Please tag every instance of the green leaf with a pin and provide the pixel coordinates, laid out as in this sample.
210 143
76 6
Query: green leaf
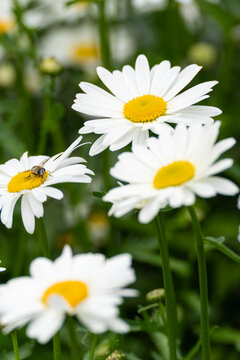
98 194
141 325
218 244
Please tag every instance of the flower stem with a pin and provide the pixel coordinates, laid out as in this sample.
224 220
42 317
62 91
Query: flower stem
56 347
202 270
72 339
103 33
15 345
93 347
169 290
106 62
43 238
46 252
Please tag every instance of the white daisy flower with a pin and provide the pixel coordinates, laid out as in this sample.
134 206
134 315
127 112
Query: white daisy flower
172 170
87 286
7 20
32 178
142 100
48 12
72 46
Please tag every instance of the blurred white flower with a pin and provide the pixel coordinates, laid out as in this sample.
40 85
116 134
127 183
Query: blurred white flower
76 46
142 100
123 45
149 5
7 20
32 178
48 12
172 170
87 286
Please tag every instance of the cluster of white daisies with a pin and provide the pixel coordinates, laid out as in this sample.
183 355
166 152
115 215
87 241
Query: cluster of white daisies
166 167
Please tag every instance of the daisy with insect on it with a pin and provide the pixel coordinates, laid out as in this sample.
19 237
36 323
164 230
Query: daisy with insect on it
31 179
142 99
171 170
87 286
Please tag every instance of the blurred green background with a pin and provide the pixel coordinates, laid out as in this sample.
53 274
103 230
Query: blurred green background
36 116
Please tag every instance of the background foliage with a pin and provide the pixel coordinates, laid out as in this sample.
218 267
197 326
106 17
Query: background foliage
36 116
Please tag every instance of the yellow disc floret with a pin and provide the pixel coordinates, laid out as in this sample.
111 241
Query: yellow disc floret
6 25
144 108
173 174
72 291
84 53
26 180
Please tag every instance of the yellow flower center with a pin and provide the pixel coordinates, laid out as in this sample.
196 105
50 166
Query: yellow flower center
26 180
84 53
173 174
6 25
144 108
72 291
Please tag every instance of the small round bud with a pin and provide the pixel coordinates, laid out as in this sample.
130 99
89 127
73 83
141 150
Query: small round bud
116 355
7 75
50 66
203 53
156 295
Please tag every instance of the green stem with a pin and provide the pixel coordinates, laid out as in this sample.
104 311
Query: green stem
43 238
72 339
46 121
169 290
15 345
46 252
202 270
56 347
93 347
106 62
103 33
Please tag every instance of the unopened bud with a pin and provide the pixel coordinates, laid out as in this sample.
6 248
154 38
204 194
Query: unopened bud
155 295
116 355
50 66
7 75
203 53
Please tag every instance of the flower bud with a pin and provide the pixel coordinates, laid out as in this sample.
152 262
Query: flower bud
116 355
155 295
203 53
7 75
50 66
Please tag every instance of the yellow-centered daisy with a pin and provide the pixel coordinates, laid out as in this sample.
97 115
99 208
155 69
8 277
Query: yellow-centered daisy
141 100
171 170
87 286
32 178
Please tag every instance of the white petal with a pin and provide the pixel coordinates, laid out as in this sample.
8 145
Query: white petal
98 146
36 206
142 73
45 326
185 76
53 192
223 186
27 215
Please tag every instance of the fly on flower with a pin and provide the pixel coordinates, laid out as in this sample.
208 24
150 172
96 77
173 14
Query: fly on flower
87 286
142 100
32 177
